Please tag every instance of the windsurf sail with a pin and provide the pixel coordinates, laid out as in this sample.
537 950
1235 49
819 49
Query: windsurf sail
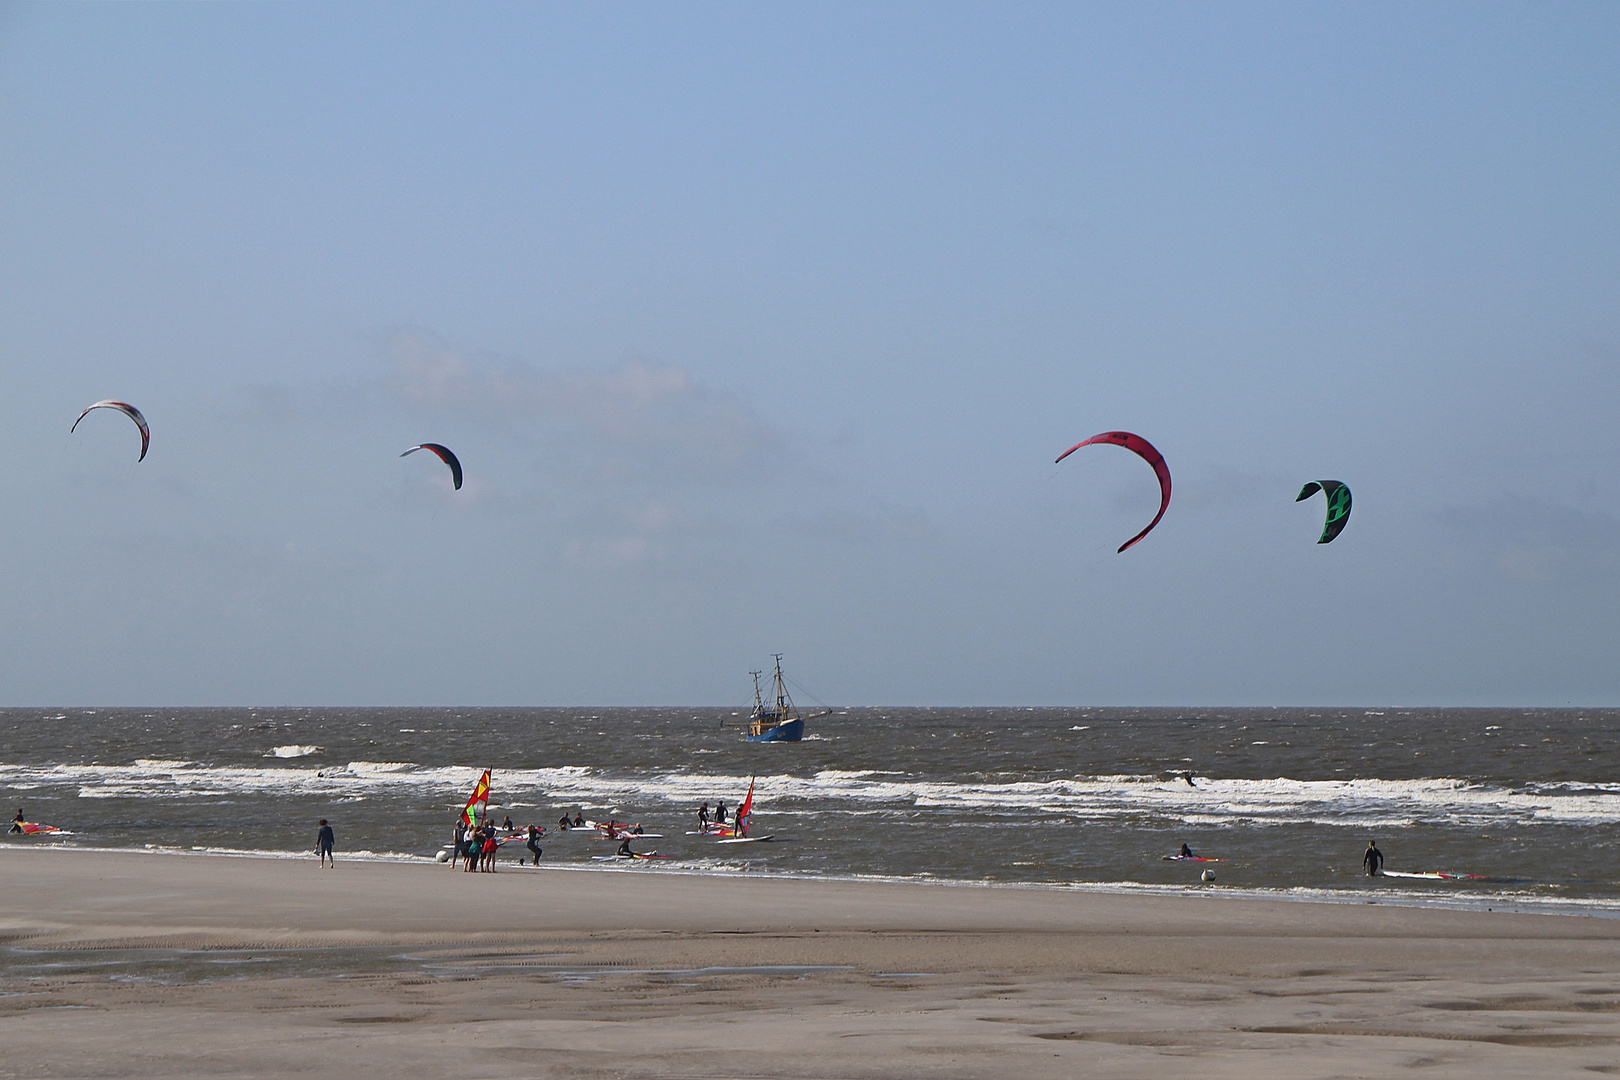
480 794
29 828
747 807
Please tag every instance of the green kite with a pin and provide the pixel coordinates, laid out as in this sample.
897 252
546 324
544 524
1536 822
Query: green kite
1338 505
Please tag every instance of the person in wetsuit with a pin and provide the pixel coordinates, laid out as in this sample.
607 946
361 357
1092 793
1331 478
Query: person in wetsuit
579 821
1373 859
533 844
703 816
323 844
624 850
17 822
720 812
1186 852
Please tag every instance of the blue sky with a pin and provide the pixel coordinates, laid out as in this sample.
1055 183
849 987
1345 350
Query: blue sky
757 330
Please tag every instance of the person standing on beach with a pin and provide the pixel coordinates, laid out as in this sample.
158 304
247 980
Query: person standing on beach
323 844
1373 859
534 844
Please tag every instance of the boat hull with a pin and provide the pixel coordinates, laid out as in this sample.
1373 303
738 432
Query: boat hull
791 731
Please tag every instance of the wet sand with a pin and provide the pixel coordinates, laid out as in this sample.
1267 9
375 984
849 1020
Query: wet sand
129 964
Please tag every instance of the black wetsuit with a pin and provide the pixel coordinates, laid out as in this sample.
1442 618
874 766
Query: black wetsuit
534 844
1373 860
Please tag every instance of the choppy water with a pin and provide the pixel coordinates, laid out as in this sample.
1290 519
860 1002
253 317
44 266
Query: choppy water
1286 797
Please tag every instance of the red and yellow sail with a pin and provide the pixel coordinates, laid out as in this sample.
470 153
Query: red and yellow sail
480 794
740 822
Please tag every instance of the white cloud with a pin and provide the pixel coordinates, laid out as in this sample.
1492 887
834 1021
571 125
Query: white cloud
640 418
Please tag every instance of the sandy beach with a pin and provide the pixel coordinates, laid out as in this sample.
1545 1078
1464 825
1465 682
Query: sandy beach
124 964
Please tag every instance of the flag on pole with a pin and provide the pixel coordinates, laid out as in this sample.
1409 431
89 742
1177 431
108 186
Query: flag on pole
480 795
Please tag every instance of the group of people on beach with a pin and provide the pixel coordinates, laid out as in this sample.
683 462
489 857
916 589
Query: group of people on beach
476 845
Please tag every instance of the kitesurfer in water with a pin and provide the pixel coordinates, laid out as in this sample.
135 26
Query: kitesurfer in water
17 822
563 823
1373 859
533 844
323 844
1186 852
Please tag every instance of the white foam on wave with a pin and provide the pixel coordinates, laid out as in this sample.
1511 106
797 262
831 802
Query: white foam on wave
1359 803
295 750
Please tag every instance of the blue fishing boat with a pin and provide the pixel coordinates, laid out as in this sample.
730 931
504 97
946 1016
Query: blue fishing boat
781 722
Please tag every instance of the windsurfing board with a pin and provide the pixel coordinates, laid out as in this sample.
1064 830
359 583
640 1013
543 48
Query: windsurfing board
1432 875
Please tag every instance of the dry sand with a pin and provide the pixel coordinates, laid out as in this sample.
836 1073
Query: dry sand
128 964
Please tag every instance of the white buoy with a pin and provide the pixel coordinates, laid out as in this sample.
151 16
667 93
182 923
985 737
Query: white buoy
1207 875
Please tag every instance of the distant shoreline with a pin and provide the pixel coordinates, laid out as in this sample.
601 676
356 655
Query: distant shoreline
1436 901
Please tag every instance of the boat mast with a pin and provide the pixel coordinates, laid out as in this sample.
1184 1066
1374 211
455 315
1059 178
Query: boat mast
758 704
781 691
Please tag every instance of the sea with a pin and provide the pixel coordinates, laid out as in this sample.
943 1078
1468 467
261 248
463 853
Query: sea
1287 799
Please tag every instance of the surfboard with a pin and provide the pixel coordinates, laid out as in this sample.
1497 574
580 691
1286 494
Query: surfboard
636 855
1433 875
1189 858
744 840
